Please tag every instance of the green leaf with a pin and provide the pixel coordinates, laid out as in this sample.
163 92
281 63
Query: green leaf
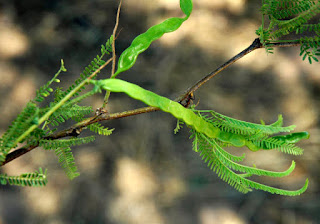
36 179
315 59
304 56
54 144
99 129
19 126
67 162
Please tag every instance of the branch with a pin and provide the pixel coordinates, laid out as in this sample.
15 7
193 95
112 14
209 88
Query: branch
255 45
114 57
76 129
103 115
114 40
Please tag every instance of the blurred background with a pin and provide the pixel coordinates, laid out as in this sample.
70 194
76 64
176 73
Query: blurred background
143 173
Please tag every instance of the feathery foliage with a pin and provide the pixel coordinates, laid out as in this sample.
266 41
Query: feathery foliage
226 165
294 17
67 162
242 127
36 179
65 113
95 64
27 118
226 170
63 151
45 90
26 128
99 129
54 144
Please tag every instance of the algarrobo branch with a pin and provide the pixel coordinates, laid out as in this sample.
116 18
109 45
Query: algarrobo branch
255 45
103 115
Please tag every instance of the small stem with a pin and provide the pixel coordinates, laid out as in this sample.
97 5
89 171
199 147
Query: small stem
106 98
262 19
286 41
114 40
255 45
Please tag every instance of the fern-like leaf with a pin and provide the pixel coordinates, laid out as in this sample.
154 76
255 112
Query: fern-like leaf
45 90
308 28
227 160
199 140
287 26
95 64
281 9
274 143
292 17
67 162
235 126
222 171
75 112
310 47
212 154
107 47
55 144
24 120
35 136
99 129
36 179
178 126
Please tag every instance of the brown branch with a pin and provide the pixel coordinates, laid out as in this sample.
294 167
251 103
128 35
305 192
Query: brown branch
114 40
99 69
107 95
255 45
76 129
284 44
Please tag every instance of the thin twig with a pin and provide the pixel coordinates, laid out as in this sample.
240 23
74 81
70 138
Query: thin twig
284 44
114 40
255 45
114 58
77 128
99 69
